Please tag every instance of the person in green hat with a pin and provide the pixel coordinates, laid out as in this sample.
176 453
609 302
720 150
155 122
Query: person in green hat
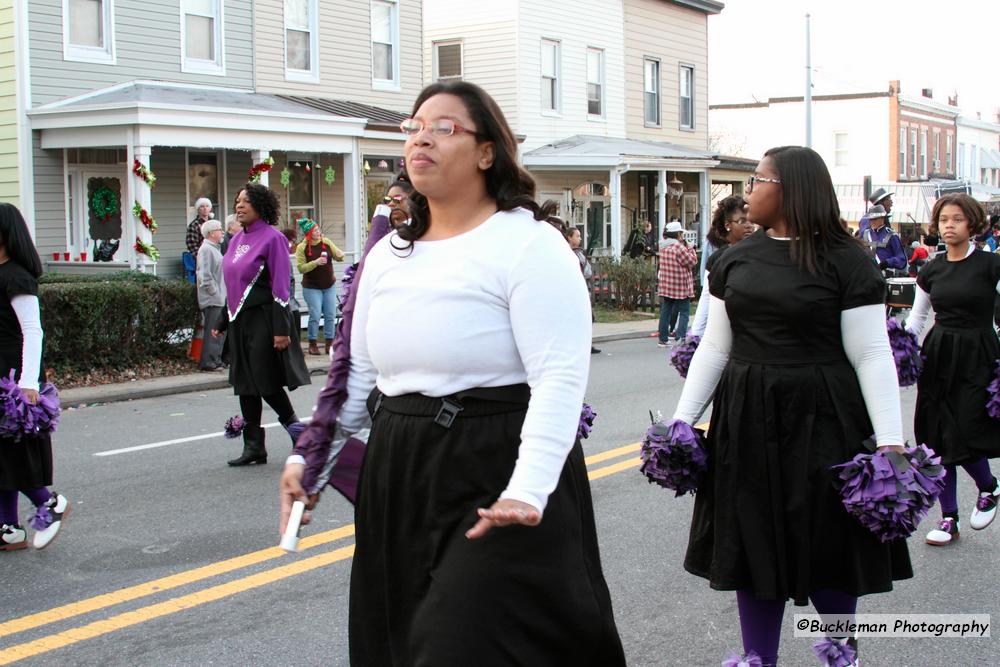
315 256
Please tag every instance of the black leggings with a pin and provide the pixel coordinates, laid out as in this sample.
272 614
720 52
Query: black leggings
252 407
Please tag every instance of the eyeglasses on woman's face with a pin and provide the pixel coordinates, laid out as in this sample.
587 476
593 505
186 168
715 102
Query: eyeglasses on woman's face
393 200
753 180
442 127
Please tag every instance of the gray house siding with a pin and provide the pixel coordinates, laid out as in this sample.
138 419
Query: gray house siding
169 209
50 201
147 44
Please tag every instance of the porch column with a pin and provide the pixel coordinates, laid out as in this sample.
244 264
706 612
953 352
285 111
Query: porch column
258 156
140 192
615 185
704 202
661 203
353 224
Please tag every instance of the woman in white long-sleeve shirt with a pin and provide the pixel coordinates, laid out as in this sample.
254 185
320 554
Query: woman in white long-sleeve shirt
475 531
25 465
797 347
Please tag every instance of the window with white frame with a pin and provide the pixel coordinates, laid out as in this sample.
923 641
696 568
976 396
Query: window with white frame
686 104
840 149
961 160
902 152
301 193
88 31
550 76
913 151
923 153
949 143
936 166
595 82
301 52
201 36
651 91
448 60
385 44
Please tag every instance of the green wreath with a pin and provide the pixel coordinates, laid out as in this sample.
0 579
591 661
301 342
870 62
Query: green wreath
103 203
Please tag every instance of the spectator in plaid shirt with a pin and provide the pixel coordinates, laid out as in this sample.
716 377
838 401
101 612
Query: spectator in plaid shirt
675 282
193 238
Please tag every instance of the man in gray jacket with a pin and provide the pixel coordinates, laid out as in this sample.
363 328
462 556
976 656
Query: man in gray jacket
211 294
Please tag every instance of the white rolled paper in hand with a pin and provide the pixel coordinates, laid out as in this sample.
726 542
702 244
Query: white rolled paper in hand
290 540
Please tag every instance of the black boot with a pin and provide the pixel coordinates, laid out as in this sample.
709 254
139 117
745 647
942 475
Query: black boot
253 447
294 428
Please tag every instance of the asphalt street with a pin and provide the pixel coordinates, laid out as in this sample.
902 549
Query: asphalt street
169 556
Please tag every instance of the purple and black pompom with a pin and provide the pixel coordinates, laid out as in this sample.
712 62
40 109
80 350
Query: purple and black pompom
234 427
905 352
993 404
587 415
673 457
20 418
751 659
683 352
888 492
835 653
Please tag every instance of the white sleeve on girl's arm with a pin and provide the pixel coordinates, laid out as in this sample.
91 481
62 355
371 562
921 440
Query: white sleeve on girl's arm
361 378
26 308
550 319
866 343
917 319
709 361
701 312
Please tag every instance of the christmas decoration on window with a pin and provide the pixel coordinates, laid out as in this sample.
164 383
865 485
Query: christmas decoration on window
330 175
147 249
286 177
104 204
143 172
148 221
260 168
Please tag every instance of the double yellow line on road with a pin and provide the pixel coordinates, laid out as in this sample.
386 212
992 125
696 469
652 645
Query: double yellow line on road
150 612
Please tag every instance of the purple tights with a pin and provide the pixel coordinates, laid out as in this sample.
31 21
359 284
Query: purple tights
978 470
760 620
8 503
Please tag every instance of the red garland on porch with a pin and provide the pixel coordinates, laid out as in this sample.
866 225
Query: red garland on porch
260 168
147 249
143 172
148 221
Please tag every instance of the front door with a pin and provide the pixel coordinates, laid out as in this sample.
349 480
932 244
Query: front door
96 211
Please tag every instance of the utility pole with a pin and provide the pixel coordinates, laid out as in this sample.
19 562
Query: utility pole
809 96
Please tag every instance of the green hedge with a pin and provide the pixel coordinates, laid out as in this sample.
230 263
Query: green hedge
114 321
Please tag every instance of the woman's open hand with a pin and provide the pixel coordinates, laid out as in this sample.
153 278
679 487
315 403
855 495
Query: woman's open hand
281 342
504 512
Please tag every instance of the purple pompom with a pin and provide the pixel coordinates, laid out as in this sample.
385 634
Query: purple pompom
835 652
234 427
587 415
905 352
346 281
41 519
889 493
993 404
19 417
683 352
751 659
672 456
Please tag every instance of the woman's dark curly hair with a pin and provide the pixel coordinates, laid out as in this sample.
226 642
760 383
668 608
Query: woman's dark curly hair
402 182
975 214
506 181
717 232
264 201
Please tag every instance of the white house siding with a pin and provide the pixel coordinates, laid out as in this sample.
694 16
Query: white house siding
489 46
345 53
974 135
9 182
750 130
577 26
675 35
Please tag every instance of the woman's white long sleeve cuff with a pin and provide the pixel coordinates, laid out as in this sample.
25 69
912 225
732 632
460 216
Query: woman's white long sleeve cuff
917 319
709 361
866 344
27 311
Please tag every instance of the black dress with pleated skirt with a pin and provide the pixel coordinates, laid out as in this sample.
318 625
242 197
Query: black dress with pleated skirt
424 595
961 351
25 464
256 367
788 406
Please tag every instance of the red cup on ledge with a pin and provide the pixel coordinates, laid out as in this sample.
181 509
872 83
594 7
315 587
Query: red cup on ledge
83 257
65 256
55 257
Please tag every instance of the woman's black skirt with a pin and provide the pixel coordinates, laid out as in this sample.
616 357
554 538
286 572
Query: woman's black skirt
26 464
423 594
255 367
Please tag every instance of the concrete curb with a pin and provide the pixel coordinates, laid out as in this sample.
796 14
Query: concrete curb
194 382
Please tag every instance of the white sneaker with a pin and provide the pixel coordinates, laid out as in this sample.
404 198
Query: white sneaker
945 533
986 508
12 538
48 520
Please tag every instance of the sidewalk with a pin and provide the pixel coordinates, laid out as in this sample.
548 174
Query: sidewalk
179 384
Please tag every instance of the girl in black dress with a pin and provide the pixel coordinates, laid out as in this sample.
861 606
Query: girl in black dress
961 351
795 350
265 355
729 225
25 465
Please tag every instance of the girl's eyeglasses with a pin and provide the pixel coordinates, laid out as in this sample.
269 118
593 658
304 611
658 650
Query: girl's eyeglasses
759 179
394 199
442 127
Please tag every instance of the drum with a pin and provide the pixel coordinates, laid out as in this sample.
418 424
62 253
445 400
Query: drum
900 292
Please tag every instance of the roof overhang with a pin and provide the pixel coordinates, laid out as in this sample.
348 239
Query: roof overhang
582 152
706 6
